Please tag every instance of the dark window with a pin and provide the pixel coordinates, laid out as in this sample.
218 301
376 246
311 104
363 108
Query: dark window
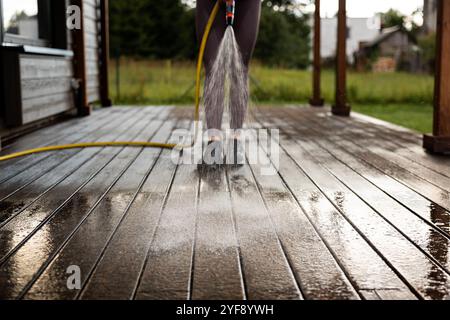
27 22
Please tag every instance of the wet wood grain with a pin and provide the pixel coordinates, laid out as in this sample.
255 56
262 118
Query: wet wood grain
351 214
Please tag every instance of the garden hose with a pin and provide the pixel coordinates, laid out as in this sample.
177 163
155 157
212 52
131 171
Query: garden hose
136 143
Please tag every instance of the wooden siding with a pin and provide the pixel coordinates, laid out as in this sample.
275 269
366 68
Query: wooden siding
92 31
45 86
42 87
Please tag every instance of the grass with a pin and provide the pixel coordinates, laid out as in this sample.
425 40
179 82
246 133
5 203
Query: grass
153 82
400 98
414 116
293 85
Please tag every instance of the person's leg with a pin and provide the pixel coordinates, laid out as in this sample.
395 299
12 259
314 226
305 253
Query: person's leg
246 28
213 105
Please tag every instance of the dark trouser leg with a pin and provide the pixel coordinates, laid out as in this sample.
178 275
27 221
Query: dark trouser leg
203 11
246 28
246 31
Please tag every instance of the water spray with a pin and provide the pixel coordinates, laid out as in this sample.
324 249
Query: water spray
227 88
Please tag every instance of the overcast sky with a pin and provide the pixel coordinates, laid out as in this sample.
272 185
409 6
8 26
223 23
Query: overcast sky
367 8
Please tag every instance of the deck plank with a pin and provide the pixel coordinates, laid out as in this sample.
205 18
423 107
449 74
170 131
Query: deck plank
411 152
266 276
217 265
402 135
15 203
139 227
168 268
17 166
100 225
438 179
384 141
31 193
412 226
74 133
51 133
380 144
357 211
367 270
398 172
427 210
104 167
304 247
21 176
404 256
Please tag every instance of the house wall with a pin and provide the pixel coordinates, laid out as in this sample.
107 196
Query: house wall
2 105
398 50
92 29
359 30
38 82
394 45
46 87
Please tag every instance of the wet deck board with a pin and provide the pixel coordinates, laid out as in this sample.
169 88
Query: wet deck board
357 210
217 259
77 133
365 206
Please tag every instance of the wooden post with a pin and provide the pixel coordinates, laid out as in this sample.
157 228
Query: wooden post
104 68
316 100
341 108
439 142
79 50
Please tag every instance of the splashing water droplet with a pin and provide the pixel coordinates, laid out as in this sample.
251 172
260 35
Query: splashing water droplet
227 85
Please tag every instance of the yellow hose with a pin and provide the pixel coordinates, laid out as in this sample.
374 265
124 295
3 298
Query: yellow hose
137 143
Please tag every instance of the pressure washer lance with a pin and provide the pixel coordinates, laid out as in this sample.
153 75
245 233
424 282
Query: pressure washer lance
230 12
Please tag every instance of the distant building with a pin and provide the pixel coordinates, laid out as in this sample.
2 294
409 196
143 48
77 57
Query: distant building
29 27
393 49
429 16
381 50
359 30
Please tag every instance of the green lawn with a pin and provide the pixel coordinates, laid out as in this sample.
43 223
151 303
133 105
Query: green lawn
400 98
414 116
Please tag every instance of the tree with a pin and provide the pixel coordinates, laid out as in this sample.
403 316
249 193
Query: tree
427 45
166 30
284 37
392 18
151 28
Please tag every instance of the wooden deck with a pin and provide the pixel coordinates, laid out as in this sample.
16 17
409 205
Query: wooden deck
357 211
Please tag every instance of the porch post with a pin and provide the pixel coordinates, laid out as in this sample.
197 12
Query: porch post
104 77
316 100
79 50
439 142
341 108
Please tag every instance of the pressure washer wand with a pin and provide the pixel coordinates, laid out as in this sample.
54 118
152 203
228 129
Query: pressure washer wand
230 4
